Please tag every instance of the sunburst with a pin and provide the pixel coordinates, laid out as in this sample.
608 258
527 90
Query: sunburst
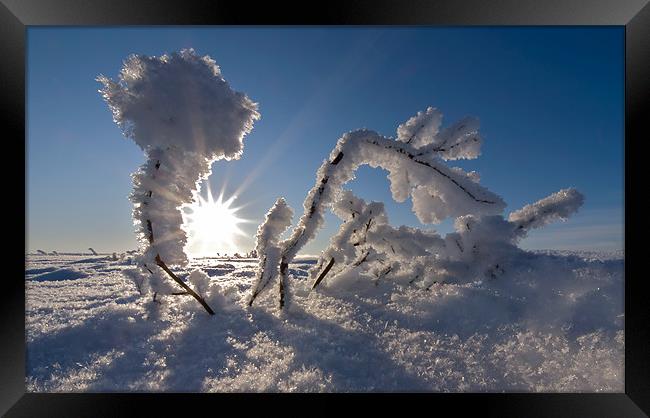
212 226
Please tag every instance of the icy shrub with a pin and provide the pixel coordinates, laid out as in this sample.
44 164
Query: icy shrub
182 113
366 245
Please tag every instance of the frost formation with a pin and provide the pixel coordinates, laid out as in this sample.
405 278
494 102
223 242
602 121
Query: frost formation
366 246
182 113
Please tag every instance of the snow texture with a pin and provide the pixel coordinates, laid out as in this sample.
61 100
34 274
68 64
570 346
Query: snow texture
553 322
184 115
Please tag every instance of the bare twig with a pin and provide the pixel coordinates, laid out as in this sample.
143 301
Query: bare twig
383 274
283 277
323 274
188 289
464 141
414 278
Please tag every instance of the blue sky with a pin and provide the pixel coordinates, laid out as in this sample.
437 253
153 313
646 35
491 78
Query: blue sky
550 102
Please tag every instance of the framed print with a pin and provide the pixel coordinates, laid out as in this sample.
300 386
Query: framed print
379 201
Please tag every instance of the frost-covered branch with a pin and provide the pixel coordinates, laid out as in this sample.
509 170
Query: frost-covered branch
276 221
181 112
360 242
457 141
416 169
557 206
481 246
366 245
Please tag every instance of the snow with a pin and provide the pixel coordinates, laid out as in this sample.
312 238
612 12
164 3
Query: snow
59 274
552 322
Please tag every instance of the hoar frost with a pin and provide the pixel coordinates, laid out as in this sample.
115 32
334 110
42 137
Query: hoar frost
367 246
182 113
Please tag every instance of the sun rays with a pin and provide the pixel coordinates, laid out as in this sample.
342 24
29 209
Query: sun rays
212 226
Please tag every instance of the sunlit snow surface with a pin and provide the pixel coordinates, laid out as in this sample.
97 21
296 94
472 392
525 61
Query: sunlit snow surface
555 323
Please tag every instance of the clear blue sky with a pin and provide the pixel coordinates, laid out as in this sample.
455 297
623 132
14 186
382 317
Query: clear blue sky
550 101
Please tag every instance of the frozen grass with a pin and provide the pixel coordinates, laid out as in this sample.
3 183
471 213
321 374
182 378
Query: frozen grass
554 323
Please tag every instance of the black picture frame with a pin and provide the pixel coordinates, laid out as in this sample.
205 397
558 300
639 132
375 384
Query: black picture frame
17 15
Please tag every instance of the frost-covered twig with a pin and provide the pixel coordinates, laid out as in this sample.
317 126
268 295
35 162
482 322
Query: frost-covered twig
184 116
188 289
323 273
276 221
559 205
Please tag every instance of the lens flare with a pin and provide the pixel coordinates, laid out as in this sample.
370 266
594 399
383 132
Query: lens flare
212 226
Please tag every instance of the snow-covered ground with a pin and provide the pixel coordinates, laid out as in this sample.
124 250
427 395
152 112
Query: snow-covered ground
554 323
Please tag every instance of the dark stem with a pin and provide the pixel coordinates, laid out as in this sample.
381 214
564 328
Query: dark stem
188 289
283 277
417 131
431 285
383 274
413 279
323 273
162 265
460 247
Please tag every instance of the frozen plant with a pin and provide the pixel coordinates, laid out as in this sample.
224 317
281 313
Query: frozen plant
184 116
481 247
277 220
415 160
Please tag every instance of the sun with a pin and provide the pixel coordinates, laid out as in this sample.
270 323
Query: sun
212 226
